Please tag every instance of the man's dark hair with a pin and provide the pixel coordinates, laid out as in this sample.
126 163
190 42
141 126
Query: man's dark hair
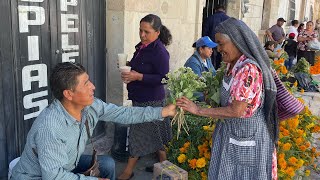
294 22
64 76
269 43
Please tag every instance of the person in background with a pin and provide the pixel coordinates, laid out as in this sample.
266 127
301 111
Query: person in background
200 61
276 32
294 28
58 136
269 47
300 28
290 46
208 29
317 27
150 63
243 142
304 37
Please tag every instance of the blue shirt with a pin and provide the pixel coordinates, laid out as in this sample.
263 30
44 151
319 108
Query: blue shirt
197 65
153 62
55 135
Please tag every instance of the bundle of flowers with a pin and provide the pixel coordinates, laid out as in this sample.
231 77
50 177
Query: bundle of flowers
182 82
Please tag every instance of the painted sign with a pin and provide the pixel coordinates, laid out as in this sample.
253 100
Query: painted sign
35 71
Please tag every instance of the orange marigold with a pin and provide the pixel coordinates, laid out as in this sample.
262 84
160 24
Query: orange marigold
290 171
286 146
293 161
303 148
193 163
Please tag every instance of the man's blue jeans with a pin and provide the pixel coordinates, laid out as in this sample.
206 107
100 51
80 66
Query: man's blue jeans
106 166
288 63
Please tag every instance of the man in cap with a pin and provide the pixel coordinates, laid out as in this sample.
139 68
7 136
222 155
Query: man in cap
276 32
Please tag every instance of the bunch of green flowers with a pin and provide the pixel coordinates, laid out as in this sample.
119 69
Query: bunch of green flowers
213 84
182 82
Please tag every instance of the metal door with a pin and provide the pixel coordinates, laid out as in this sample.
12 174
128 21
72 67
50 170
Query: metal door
35 35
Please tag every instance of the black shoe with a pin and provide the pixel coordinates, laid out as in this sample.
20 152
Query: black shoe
149 168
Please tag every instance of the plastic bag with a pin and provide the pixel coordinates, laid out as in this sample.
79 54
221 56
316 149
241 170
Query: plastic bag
305 82
314 44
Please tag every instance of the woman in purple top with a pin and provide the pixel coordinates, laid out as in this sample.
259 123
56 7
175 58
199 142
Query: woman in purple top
150 63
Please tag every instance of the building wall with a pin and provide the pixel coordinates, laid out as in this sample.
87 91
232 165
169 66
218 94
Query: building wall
184 19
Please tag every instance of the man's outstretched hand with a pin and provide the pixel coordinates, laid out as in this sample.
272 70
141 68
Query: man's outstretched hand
169 110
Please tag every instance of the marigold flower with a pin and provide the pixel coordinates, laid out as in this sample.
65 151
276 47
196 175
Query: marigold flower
205 128
186 144
290 171
300 163
285 132
308 144
307 172
316 128
183 150
293 122
201 163
310 125
281 156
207 155
293 161
303 148
182 158
295 84
193 163
300 132
282 163
204 176
302 91
299 140
286 146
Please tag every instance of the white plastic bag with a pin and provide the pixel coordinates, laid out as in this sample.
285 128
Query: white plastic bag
314 44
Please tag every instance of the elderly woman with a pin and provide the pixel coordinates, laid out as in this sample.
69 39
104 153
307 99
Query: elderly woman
244 141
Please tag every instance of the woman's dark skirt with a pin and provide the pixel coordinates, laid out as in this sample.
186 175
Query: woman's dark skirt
146 138
309 55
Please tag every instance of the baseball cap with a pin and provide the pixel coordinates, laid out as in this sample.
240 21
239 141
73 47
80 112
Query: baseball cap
292 35
205 41
281 19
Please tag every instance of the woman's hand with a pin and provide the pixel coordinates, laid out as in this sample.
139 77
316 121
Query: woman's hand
131 76
188 105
